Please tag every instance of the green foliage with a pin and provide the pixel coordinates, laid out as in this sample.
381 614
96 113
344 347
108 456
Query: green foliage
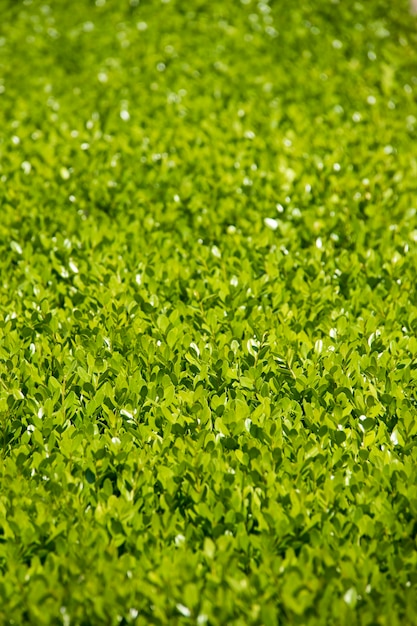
208 314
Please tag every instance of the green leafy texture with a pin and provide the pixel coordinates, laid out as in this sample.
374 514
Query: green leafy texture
208 361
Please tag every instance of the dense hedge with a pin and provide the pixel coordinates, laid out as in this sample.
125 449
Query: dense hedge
208 310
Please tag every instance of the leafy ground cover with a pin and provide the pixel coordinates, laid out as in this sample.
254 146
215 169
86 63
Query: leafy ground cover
208 360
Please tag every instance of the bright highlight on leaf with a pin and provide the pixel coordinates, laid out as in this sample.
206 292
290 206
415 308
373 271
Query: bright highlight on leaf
185 611
351 597
271 223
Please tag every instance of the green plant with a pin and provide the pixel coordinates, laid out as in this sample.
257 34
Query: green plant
208 313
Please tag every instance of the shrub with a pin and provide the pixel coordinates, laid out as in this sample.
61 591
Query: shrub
208 313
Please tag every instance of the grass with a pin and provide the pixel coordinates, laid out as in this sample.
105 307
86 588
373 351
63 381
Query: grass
208 313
